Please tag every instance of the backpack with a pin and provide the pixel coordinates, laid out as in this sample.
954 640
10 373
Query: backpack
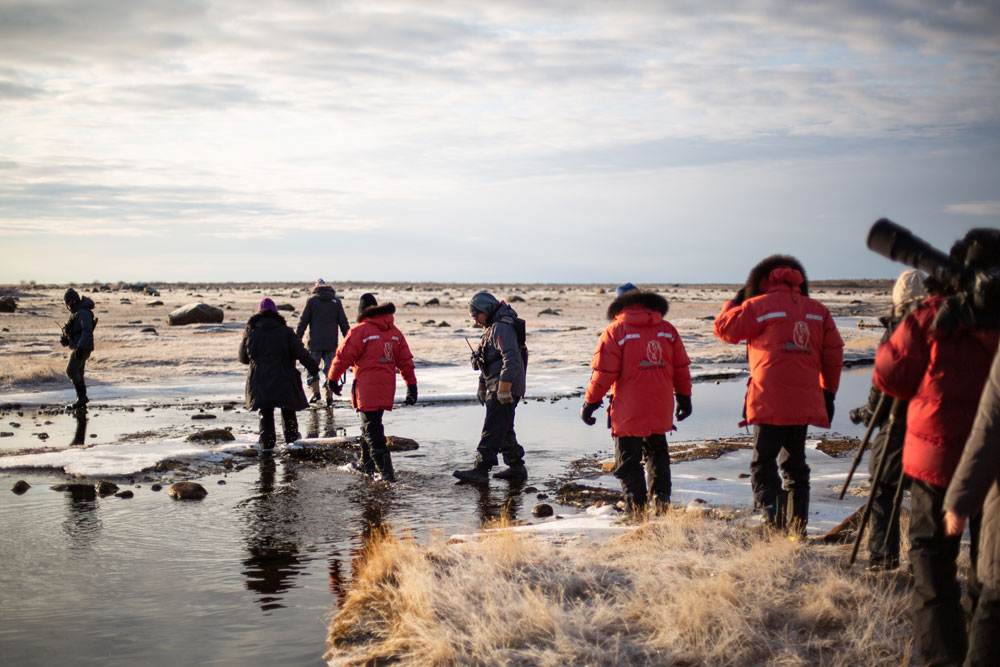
520 328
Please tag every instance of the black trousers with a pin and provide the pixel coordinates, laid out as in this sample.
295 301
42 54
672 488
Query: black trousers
76 364
881 551
498 435
938 618
784 447
629 454
984 630
374 447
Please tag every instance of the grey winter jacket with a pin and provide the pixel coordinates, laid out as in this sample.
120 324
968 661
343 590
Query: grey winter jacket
978 477
500 352
271 348
80 328
323 315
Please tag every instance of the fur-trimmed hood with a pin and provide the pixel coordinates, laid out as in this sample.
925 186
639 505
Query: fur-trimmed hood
761 278
376 310
636 297
325 292
265 315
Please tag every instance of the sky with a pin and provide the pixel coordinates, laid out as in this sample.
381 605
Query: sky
488 141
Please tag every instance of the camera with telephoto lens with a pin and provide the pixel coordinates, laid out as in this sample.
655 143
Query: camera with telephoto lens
970 274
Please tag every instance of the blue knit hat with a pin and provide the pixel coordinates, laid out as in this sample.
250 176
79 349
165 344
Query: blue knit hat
627 287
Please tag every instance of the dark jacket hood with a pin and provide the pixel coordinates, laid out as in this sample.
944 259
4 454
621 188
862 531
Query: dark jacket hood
648 300
265 317
375 311
760 279
86 303
325 292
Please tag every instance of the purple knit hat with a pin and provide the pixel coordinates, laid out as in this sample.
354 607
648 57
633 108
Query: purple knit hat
267 304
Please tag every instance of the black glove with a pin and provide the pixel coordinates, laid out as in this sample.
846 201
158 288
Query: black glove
740 296
683 407
828 397
587 413
859 415
411 394
64 340
335 386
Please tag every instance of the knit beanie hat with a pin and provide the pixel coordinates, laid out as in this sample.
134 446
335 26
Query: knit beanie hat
483 302
367 301
909 286
319 283
267 304
71 296
627 287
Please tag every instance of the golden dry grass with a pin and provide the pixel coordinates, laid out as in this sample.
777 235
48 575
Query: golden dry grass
676 591
28 371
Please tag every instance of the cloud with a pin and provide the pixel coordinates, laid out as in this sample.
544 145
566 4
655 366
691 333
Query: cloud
977 208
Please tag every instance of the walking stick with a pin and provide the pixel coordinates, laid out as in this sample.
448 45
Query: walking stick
894 421
897 502
874 419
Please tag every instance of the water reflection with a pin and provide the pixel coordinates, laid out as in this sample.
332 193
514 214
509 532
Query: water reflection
329 424
82 524
274 553
80 437
499 504
374 502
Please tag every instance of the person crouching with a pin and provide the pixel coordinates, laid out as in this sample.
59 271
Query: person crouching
640 358
376 349
270 347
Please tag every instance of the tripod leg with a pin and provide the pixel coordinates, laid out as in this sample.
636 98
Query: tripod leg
895 415
874 419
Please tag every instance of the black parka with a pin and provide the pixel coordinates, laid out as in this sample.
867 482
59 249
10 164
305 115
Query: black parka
323 316
271 348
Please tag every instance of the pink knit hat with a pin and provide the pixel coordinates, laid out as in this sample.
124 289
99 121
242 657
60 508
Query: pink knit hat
267 304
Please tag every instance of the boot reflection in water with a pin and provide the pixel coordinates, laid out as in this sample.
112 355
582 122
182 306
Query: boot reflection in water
80 437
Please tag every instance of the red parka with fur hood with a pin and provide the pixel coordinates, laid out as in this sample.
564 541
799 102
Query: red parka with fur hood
642 360
793 346
375 348
942 374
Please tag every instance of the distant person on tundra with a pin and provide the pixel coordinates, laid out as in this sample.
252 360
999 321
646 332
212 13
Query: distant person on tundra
375 349
323 316
78 336
271 348
501 359
640 358
795 354
883 540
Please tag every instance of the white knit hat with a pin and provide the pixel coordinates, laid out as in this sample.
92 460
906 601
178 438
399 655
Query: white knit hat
909 287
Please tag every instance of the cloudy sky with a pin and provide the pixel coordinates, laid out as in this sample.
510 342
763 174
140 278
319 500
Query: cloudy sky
488 141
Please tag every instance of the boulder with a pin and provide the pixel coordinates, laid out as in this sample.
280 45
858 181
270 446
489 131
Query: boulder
20 487
286 307
212 434
106 488
433 301
397 444
8 304
187 491
155 302
195 313
124 494
542 510
152 291
78 491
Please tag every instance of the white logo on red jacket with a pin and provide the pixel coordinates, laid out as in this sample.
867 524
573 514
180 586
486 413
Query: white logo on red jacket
800 334
654 353
388 353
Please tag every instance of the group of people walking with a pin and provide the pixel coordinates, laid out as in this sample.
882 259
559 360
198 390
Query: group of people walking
938 353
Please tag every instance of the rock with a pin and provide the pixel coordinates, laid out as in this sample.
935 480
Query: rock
846 530
156 487
710 479
78 491
542 510
221 481
442 323
20 487
187 491
515 299
542 496
410 303
743 475
8 304
212 434
398 444
433 301
530 489
195 313
607 466
549 311
287 307
203 415
106 488
6 434
124 494
155 303
42 436
150 291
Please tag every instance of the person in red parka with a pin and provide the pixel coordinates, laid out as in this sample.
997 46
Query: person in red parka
376 349
640 358
939 359
795 354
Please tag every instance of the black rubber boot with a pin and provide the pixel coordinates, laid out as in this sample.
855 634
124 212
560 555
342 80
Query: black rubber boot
81 396
365 465
477 475
384 465
266 429
290 426
514 473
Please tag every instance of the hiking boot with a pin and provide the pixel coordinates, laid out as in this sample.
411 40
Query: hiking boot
514 473
80 403
877 566
363 467
314 388
315 399
385 472
329 399
473 476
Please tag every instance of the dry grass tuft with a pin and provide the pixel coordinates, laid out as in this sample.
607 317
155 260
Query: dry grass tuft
678 590
29 371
